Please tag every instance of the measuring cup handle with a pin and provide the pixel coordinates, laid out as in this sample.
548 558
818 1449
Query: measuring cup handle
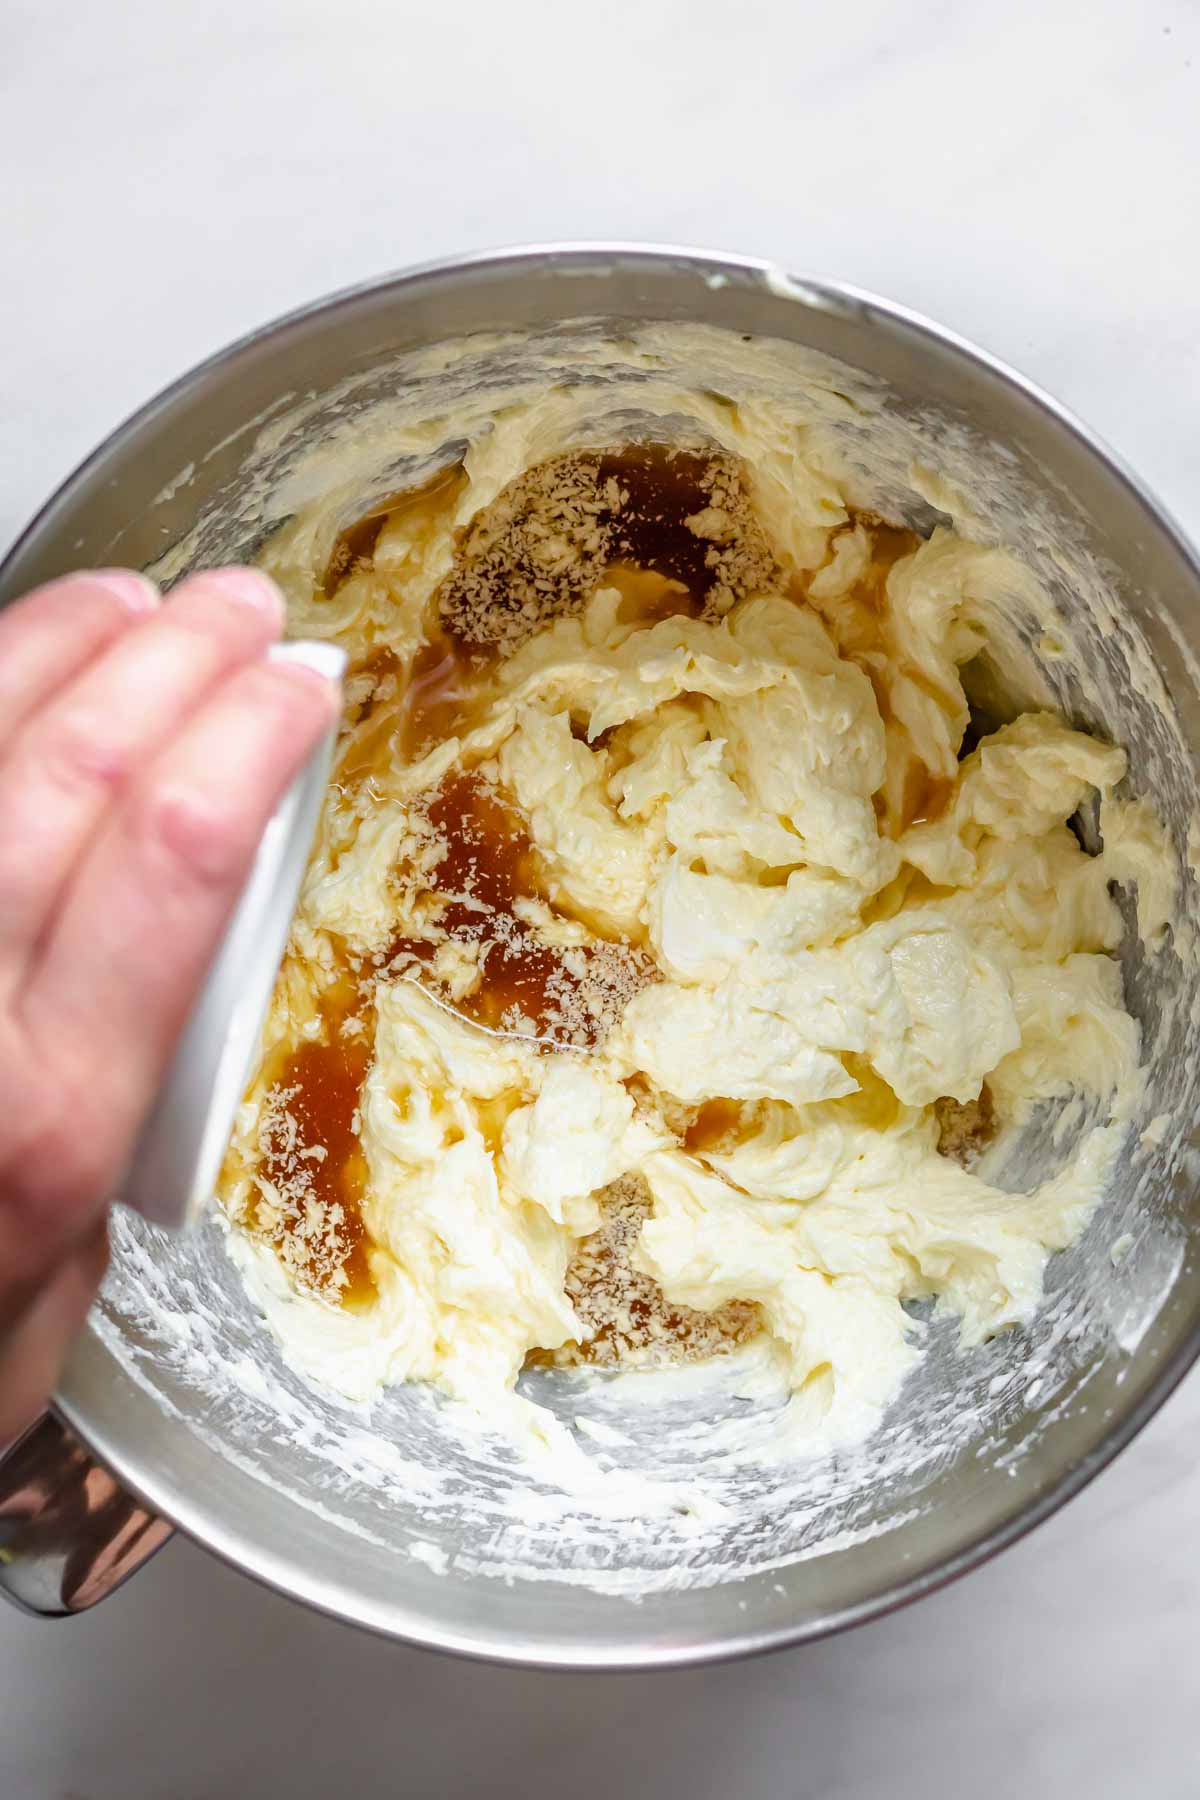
69 1533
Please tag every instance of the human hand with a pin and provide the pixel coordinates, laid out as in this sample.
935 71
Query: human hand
143 747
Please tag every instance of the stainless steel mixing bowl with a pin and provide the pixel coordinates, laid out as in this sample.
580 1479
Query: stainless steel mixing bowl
394 1525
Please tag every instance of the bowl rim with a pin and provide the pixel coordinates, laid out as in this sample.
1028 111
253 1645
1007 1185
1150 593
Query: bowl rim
154 1487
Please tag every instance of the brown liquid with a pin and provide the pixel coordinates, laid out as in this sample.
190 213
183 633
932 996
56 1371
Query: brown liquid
492 1115
716 1121
381 664
664 488
435 698
926 796
490 859
422 508
661 567
438 700
646 596
874 1103
489 865
442 688
889 545
325 1082
354 547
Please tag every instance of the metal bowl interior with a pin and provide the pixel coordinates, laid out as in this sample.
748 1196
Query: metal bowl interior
398 1525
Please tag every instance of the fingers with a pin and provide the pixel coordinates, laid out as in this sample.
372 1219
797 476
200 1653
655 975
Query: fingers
144 915
142 750
32 1349
70 760
48 638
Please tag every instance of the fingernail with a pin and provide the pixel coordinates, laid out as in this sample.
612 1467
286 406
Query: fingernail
137 593
248 587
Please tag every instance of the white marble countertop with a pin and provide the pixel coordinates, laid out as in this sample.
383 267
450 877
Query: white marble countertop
1025 173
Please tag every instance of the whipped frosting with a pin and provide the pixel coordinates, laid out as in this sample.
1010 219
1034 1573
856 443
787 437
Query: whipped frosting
852 927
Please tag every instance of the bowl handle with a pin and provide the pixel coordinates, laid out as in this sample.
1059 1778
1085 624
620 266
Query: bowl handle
69 1533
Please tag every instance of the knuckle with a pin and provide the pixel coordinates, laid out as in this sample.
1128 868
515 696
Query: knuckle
80 755
200 837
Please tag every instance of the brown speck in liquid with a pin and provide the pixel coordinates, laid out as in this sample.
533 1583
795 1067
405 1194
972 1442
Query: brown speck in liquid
662 489
553 534
489 864
381 664
490 861
324 1085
